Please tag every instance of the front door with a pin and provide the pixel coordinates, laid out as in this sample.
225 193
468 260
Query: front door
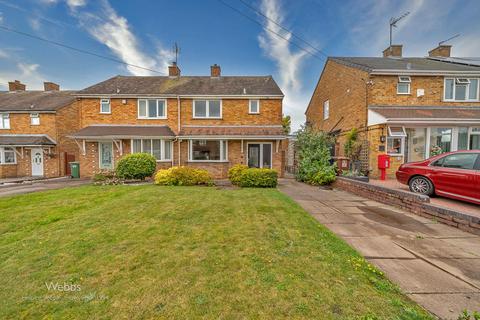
106 155
260 155
37 162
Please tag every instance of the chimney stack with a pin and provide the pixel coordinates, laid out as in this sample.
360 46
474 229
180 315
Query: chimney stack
215 71
173 70
50 86
440 51
395 50
16 86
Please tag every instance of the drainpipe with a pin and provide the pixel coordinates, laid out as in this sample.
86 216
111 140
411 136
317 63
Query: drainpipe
179 126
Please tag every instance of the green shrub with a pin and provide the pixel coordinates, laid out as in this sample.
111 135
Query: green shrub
136 166
325 176
258 178
183 176
235 173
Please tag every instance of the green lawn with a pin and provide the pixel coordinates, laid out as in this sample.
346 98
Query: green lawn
140 252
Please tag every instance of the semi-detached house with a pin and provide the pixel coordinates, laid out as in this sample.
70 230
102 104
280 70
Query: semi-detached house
408 108
33 131
211 122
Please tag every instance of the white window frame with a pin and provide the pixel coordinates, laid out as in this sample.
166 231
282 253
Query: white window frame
162 148
105 101
2 156
223 144
207 109
250 106
34 116
146 108
402 146
326 109
404 79
4 121
402 134
261 152
461 81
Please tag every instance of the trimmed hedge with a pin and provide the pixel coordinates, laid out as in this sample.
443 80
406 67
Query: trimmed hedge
183 176
246 177
136 166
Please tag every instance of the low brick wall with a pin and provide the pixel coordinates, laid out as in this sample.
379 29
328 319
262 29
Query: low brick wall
409 201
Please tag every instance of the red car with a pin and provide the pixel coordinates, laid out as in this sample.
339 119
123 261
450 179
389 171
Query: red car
454 175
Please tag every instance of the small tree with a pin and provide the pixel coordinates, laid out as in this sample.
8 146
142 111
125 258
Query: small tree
314 152
286 124
352 147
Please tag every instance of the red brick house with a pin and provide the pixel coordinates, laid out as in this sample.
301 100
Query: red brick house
409 108
210 122
33 129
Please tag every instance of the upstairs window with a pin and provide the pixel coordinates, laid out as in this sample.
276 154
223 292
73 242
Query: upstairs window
34 119
461 89
326 110
152 109
105 106
207 109
254 106
4 121
403 85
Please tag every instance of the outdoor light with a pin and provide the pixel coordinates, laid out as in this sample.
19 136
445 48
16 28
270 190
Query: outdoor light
382 139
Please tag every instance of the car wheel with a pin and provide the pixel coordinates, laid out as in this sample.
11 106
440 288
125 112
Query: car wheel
421 185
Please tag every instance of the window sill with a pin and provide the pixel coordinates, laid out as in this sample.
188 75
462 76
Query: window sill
206 118
466 101
7 164
105 112
163 161
159 118
403 94
4 128
208 161
395 155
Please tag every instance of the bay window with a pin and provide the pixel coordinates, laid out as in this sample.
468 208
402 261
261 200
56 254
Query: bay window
208 150
461 89
475 138
7 155
160 149
207 109
4 121
440 140
152 109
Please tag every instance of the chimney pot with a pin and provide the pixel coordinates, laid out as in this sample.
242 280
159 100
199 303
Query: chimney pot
173 70
16 86
51 86
215 71
395 50
440 51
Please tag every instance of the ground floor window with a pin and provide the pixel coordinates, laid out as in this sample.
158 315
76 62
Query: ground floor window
260 155
208 150
160 149
7 155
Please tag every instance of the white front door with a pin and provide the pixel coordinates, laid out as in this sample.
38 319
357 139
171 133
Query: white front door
37 162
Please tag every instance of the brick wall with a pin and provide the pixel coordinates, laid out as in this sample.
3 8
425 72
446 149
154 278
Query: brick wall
66 123
415 203
20 124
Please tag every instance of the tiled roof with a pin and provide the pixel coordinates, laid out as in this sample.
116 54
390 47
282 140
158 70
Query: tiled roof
406 64
427 112
185 85
25 140
240 131
35 100
123 131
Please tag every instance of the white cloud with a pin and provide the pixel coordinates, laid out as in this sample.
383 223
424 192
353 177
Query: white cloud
288 62
113 30
26 73
3 54
76 3
1 17
35 23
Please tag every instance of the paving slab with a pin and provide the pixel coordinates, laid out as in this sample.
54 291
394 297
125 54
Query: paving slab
437 265
418 276
445 305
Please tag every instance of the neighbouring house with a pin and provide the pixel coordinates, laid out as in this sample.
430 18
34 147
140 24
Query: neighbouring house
211 122
409 108
33 130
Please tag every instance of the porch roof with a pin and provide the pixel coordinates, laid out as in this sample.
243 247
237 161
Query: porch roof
423 114
240 132
25 140
122 132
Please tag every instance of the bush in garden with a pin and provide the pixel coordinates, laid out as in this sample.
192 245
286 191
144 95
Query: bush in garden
136 166
235 173
105 178
183 176
258 178
314 166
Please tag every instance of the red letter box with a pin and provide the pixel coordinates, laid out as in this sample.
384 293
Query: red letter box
383 161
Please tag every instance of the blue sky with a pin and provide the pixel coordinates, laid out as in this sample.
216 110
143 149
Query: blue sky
143 32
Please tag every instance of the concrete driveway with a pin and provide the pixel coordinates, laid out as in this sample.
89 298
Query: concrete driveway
40 185
436 265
